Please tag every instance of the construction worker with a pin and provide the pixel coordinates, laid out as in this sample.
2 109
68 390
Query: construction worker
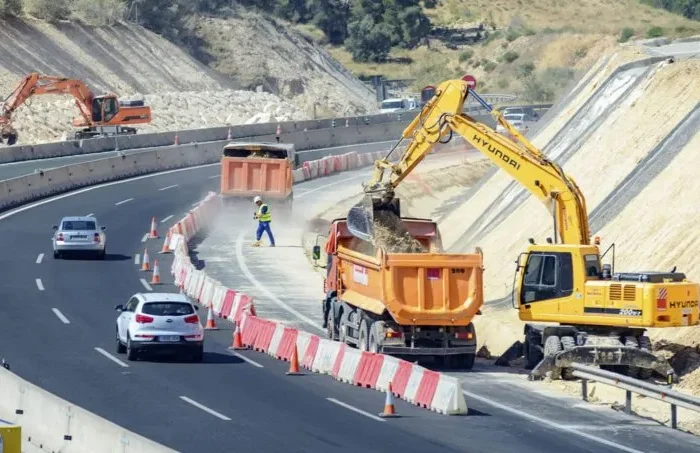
263 217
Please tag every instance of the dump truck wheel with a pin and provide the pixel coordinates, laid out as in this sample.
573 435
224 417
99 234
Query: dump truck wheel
330 329
467 361
363 336
374 338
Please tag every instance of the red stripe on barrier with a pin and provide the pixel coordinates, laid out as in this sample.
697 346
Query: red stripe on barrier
228 303
427 387
250 332
403 374
310 354
368 369
339 360
262 341
286 346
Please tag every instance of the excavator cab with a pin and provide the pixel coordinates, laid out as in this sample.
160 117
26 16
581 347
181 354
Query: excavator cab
104 108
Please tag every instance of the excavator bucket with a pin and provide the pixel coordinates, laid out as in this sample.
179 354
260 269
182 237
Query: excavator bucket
360 220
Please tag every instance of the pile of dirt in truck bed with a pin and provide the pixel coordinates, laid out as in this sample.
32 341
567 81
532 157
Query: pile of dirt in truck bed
259 155
392 236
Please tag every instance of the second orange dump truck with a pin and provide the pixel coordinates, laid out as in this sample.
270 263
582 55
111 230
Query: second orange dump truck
403 304
264 169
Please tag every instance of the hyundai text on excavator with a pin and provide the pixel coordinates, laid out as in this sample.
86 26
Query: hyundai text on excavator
596 316
99 115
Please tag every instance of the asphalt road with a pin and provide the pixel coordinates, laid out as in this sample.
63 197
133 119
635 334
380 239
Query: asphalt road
242 403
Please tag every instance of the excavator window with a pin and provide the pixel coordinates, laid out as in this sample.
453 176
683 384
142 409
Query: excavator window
111 109
592 265
97 109
547 276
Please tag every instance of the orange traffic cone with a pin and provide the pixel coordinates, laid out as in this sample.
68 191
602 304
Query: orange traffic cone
211 323
389 409
166 248
294 363
155 280
153 234
146 265
237 339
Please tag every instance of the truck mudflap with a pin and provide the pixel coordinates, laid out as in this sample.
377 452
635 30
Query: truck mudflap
407 350
602 355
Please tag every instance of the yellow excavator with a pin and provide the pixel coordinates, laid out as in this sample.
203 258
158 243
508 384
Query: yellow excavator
595 316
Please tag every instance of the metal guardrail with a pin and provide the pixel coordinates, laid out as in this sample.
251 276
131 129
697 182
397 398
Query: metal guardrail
658 392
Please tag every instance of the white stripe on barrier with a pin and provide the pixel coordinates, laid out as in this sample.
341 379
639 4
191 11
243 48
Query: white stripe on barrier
448 398
387 373
303 341
325 356
413 383
348 366
276 337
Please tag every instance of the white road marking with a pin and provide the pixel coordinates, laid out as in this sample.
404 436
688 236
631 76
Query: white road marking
39 284
550 424
262 288
60 316
98 186
214 177
205 408
90 215
111 357
354 409
137 259
145 284
144 238
39 258
168 187
246 359
167 218
123 201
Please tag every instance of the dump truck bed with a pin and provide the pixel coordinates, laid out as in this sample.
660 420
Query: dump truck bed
245 175
419 289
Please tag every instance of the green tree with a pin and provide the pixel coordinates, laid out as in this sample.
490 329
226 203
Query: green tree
414 26
368 41
48 10
331 16
294 10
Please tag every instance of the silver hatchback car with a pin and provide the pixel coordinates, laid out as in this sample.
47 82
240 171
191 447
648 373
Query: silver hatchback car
79 234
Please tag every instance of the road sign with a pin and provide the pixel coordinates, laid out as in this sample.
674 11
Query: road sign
471 81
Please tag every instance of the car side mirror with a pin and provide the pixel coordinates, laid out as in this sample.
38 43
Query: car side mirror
104 228
196 307
119 308
55 227
316 252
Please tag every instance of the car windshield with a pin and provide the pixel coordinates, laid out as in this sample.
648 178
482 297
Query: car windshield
514 117
167 308
74 225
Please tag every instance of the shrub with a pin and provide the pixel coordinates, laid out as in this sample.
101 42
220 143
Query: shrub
655 32
512 34
489 66
10 7
48 10
510 56
626 34
525 70
466 55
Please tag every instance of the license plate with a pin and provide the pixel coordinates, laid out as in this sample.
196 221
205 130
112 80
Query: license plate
170 338
78 237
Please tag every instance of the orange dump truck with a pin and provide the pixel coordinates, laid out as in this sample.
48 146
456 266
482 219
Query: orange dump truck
403 304
265 169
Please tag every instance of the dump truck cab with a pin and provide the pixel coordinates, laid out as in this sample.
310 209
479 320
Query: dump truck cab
258 169
410 305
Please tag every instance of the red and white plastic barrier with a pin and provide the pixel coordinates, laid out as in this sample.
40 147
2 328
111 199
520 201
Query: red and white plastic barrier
413 383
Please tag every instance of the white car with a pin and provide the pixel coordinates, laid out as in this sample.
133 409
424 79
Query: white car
79 234
159 323
519 121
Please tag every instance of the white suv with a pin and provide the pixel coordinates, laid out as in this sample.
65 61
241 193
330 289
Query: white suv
159 322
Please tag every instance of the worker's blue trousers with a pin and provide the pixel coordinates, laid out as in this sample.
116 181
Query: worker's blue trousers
265 227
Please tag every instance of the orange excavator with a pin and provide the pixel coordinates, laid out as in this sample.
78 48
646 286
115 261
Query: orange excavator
99 115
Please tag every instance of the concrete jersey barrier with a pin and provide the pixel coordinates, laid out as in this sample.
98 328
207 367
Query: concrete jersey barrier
62 426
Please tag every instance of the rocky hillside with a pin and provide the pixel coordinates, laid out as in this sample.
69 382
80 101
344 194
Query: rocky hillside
184 93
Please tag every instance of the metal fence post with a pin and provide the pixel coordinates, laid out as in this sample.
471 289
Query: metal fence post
584 389
674 416
628 401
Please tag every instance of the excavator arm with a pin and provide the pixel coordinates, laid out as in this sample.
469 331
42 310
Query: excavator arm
36 84
437 122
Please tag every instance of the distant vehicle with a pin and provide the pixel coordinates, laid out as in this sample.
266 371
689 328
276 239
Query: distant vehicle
159 323
397 105
519 121
79 234
530 113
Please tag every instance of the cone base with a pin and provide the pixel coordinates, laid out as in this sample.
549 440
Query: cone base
388 414
237 348
294 373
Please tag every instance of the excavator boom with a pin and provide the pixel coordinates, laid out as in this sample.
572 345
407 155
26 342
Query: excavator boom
437 122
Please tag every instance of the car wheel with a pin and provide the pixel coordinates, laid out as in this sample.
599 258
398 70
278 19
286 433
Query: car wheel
56 254
121 349
102 254
131 353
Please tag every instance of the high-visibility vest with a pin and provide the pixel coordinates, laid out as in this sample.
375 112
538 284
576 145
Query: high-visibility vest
264 217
